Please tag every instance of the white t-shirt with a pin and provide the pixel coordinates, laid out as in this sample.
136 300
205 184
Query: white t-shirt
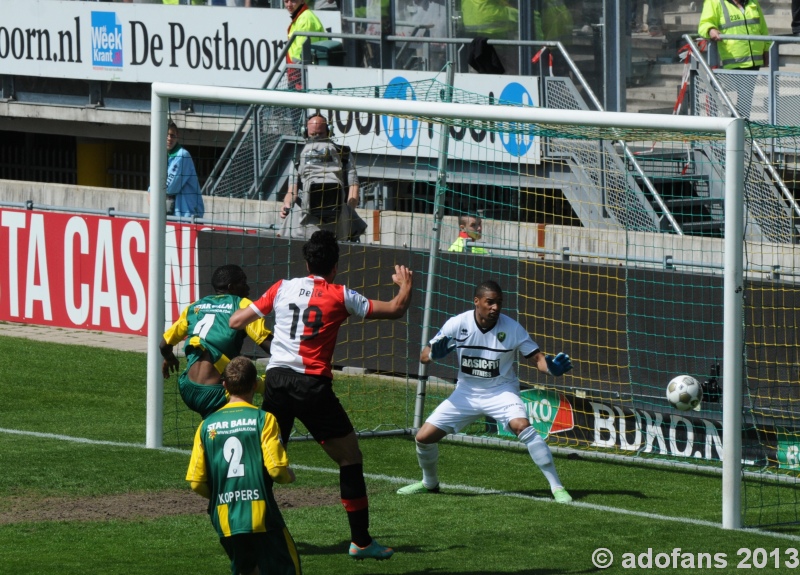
486 359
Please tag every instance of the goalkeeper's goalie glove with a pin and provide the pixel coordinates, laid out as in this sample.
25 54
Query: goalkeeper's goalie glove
441 346
558 365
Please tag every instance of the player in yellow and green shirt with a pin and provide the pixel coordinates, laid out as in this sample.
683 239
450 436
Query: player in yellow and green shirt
210 342
237 454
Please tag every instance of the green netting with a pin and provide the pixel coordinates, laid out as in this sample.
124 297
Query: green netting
608 243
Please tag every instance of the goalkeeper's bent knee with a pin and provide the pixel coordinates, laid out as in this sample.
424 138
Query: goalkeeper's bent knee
537 448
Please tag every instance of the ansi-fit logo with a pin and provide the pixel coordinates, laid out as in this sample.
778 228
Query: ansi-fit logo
480 367
401 132
517 143
106 40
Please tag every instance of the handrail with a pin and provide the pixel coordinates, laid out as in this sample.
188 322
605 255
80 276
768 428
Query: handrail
549 44
212 181
588 91
280 61
775 271
787 195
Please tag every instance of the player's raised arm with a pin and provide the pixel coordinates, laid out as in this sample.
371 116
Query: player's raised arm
397 307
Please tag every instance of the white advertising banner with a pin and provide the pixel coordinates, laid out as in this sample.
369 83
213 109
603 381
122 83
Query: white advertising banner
411 137
208 45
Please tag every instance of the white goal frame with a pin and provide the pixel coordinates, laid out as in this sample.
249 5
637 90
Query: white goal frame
731 128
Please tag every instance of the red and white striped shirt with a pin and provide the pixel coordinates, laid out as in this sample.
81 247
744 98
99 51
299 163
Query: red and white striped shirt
308 313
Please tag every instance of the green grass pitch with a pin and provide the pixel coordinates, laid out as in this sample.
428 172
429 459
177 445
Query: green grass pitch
494 516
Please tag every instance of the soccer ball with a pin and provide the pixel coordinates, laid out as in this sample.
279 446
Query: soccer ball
684 393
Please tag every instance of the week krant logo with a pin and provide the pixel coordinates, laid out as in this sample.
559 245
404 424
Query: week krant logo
402 132
106 40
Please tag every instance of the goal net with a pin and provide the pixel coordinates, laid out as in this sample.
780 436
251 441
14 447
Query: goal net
624 240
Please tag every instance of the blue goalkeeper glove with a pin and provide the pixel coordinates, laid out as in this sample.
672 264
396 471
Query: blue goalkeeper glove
441 346
558 365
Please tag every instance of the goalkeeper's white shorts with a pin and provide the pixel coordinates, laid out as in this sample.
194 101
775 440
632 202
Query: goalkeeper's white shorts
465 405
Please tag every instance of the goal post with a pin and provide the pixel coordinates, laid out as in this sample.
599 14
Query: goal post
733 338
606 126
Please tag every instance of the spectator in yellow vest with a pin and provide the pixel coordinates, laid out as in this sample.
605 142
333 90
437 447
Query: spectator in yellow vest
303 20
470 228
495 19
742 17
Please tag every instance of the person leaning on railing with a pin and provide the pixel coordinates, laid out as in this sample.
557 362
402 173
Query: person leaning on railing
736 17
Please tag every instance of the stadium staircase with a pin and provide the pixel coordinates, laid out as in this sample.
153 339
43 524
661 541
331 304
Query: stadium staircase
651 189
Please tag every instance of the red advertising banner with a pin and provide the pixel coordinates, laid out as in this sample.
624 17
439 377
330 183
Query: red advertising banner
87 271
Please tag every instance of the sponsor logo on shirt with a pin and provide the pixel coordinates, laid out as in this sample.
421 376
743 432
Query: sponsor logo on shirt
480 367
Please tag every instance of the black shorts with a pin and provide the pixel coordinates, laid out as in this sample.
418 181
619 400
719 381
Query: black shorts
309 398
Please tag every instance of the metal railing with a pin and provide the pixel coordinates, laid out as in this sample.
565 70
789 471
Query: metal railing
273 78
756 207
539 46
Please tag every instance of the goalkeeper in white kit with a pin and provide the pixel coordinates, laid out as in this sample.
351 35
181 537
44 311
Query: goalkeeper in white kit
486 342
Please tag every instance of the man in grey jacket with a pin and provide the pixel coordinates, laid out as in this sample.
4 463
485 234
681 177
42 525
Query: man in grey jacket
316 198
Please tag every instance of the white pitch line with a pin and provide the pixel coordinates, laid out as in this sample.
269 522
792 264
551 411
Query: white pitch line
448 486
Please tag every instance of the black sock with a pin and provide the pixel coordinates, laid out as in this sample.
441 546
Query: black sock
354 498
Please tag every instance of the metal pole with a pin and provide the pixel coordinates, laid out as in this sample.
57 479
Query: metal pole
255 133
733 339
438 214
155 284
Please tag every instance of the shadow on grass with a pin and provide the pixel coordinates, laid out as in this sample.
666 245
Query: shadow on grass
342 548
578 494
306 549
333 549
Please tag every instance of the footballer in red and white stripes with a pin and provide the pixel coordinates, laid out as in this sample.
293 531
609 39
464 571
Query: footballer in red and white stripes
308 312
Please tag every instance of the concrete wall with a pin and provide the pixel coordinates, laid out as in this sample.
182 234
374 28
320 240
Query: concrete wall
416 230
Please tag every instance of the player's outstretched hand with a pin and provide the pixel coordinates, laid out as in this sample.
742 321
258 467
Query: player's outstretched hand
558 365
171 365
441 346
402 276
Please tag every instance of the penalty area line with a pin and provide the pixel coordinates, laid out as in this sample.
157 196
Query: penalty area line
445 486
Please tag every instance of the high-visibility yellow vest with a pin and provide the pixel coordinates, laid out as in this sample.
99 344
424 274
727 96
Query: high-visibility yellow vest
304 21
490 18
728 18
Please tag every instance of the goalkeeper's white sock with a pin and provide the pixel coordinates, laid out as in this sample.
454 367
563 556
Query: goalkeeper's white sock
428 457
541 456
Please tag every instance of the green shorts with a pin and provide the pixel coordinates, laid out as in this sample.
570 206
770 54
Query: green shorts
273 552
204 399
